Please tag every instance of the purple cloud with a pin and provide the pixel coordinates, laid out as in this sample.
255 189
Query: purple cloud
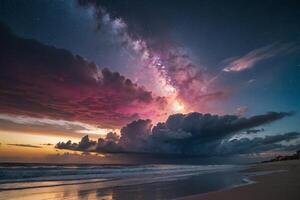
248 61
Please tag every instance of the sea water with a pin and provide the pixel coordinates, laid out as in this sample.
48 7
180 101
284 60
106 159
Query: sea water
120 182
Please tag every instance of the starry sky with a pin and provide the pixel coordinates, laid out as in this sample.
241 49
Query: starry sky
73 68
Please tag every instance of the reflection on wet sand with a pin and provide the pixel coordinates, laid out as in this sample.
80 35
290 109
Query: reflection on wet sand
130 189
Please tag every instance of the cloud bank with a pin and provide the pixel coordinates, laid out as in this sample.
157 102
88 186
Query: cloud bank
193 134
25 145
41 81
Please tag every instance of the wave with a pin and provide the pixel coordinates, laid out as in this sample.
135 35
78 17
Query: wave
22 177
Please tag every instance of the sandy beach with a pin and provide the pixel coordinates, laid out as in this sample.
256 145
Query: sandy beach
277 180
284 185
146 182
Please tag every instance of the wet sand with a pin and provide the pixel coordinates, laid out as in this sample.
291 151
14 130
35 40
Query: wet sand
145 187
283 185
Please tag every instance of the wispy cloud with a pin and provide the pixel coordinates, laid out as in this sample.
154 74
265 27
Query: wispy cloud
240 111
40 124
47 144
249 60
25 145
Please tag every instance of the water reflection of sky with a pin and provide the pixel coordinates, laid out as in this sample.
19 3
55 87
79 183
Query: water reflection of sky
130 190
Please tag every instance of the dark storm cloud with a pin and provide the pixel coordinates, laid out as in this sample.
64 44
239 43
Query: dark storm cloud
293 147
134 137
257 144
86 143
135 134
67 145
189 134
207 126
25 145
109 144
46 82
250 131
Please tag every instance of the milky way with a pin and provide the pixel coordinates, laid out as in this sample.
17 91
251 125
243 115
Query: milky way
167 72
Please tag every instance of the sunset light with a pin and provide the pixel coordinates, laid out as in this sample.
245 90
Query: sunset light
178 107
149 99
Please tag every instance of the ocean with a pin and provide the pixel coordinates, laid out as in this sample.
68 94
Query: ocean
118 182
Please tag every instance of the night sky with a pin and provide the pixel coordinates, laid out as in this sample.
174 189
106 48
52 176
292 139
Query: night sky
71 68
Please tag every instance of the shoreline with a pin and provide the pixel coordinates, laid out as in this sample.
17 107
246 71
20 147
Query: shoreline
276 180
152 187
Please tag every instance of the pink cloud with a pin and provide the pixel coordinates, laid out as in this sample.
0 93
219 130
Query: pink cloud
253 57
45 82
